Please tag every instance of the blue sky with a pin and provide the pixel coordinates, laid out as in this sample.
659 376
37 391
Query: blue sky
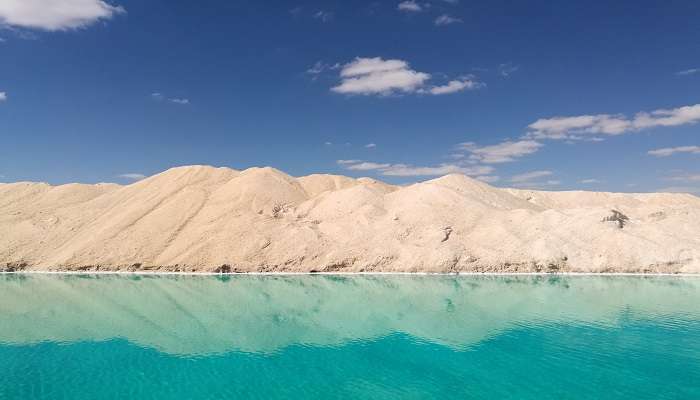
554 95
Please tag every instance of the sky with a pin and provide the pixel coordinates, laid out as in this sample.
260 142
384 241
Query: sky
592 95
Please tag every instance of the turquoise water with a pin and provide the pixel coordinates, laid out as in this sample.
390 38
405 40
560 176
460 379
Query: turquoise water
342 337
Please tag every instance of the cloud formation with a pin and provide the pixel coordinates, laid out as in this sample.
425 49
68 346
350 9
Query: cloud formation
679 175
583 126
686 178
55 15
132 176
366 166
507 69
160 97
368 76
347 162
472 159
3 96
506 151
686 183
376 76
445 19
529 176
442 169
320 67
409 6
412 170
488 178
690 71
455 86
669 151
324 16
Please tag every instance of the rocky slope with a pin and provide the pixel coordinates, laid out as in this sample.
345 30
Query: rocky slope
200 218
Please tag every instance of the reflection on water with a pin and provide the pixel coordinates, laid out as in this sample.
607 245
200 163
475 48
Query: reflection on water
199 316
349 337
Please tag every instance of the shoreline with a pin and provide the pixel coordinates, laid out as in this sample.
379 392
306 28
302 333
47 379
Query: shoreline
199 219
166 273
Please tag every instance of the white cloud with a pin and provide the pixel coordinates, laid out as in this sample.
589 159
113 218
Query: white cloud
317 68
347 162
55 15
686 183
589 181
690 71
3 96
668 151
530 176
160 97
488 178
411 170
685 177
363 66
371 145
132 176
500 153
320 67
442 169
455 86
367 166
445 19
376 76
570 127
409 6
673 117
578 127
324 16
369 76
507 69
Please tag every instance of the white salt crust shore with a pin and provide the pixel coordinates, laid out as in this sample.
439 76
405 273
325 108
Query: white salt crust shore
466 274
218 220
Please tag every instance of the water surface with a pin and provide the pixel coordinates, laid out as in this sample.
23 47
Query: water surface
355 337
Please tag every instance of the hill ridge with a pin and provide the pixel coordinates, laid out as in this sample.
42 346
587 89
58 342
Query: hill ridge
202 218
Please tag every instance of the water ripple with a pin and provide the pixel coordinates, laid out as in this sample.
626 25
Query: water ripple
357 337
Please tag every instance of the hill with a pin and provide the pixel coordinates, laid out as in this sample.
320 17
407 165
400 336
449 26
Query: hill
200 218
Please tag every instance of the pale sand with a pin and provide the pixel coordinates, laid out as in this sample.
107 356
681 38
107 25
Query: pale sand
206 219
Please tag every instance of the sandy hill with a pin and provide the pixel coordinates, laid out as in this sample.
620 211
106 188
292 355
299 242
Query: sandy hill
200 218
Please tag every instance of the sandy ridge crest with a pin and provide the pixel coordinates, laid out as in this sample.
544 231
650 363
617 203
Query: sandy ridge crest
201 218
